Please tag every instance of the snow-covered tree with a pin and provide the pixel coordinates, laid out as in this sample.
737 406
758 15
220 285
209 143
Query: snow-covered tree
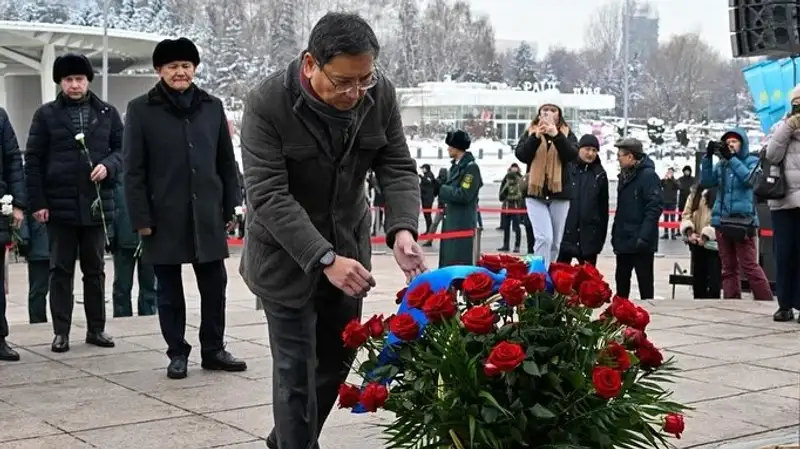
142 18
163 18
46 11
522 66
283 33
87 14
124 18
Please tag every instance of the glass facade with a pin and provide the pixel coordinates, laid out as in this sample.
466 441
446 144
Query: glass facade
508 123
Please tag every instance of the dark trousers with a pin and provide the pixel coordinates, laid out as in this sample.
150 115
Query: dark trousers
125 263
38 287
642 263
427 214
212 279
786 246
706 273
309 362
377 220
591 260
87 245
670 217
529 238
3 304
511 222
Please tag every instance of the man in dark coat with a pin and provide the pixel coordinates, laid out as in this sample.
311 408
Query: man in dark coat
587 221
35 248
181 192
310 132
512 197
634 234
685 184
127 259
427 193
72 159
670 189
12 191
459 193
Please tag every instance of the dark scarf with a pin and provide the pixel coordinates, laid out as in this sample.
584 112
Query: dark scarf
181 100
626 174
79 111
336 119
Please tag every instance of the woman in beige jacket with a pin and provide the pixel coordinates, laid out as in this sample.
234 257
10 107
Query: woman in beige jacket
784 149
701 237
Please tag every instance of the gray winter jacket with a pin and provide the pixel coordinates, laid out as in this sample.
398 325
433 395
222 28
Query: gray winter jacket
784 147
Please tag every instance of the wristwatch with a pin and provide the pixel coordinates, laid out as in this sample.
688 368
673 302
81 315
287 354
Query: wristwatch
327 259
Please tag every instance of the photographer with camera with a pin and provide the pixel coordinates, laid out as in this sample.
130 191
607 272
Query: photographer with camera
734 214
783 152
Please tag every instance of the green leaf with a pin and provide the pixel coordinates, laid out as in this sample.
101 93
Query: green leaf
488 396
489 414
540 411
530 367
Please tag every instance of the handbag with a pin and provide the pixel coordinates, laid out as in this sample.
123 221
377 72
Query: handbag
735 227
767 179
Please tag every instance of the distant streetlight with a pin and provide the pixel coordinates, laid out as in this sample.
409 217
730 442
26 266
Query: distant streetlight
105 51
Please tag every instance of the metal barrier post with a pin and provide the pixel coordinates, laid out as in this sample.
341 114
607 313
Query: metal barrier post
476 245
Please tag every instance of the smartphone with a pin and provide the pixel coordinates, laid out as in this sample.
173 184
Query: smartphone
795 109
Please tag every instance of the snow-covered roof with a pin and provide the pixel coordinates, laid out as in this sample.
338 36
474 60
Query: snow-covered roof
22 44
463 94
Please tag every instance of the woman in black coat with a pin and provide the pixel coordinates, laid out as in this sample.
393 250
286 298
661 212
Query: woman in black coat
587 221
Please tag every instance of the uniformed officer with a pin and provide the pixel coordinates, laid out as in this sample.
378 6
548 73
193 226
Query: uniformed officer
459 193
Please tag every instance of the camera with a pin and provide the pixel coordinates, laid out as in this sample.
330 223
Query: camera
715 146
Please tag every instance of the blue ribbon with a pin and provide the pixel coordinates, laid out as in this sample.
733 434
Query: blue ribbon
442 279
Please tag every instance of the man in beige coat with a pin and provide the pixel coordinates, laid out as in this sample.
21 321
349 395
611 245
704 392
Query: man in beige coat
784 150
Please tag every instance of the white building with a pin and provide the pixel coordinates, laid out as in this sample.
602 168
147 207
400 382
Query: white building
508 111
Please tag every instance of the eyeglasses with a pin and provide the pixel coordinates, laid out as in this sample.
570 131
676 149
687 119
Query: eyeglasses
362 85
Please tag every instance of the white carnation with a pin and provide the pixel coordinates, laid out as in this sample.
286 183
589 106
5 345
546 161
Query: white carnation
80 137
238 210
7 209
6 199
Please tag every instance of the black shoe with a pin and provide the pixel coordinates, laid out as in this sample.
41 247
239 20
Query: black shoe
782 316
427 244
6 353
665 237
503 249
60 343
516 249
100 339
271 443
177 367
222 360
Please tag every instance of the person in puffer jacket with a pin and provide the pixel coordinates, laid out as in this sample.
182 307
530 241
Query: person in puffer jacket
734 214
701 237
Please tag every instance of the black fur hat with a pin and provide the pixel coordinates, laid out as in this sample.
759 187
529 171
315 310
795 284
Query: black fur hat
72 64
458 139
171 50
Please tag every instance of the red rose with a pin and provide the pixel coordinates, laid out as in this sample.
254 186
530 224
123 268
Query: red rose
562 281
673 424
506 357
574 300
649 356
586 272
516 270
399 296
349 395
535 283
633 337
374 396
479 320
642 319
404 327
607 382
556 267
624 311
375 326
617 355
513 292
492 263
417 296
490 370
355 334
440 306
477 286
594 293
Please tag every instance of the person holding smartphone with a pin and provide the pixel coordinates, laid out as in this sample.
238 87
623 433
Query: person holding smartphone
546 148
784 150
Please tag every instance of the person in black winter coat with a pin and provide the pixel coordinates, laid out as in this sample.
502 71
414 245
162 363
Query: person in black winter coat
441 178
12 189
35 248
427 192
547 148
587 222
73 156
634 234
685 184
669 191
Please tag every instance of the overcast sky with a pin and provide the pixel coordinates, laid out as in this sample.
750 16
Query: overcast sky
563 21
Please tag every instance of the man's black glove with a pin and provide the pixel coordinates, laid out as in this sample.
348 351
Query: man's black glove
714 146
726 153
641 245
23 249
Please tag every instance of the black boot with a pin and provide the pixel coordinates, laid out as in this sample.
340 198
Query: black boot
177 367
222 360
60 343
6 353
100 339
782 316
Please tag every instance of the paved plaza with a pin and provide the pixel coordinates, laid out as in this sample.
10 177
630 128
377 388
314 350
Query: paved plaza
741 374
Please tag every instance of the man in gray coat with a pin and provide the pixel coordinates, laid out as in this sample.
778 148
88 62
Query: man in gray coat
310 133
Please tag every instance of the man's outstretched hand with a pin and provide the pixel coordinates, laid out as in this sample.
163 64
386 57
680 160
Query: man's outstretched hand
409 255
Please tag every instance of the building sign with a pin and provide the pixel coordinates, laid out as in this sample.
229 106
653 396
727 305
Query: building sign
540 87
586 91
